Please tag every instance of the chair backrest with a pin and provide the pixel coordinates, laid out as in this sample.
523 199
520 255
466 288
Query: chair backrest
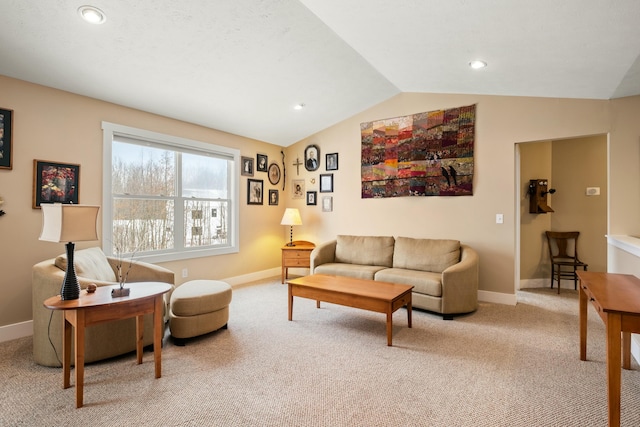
563 244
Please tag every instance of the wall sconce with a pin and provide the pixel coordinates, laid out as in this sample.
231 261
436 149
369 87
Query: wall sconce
538 196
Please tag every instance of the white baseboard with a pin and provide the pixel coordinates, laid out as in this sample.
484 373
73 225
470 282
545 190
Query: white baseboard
534 283
252 277
497 297
15 331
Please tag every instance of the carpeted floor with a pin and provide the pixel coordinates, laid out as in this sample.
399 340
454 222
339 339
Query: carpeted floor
500 366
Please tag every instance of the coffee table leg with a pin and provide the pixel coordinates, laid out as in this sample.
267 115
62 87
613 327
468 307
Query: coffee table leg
389 326
409 313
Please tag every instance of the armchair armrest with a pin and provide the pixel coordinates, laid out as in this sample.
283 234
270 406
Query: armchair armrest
143 271
460 283
323 254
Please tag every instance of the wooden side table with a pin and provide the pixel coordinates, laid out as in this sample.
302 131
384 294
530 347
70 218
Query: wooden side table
99 307
298 256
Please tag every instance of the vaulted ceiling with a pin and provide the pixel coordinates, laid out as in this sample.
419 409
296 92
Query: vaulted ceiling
241 65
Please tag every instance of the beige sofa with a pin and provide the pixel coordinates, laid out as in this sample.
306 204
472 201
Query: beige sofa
101 341
444 273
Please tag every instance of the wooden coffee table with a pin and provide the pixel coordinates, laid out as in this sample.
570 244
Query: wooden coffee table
381 297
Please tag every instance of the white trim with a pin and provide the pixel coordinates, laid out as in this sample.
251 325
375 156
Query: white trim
110 130
16 330
626 243
497 297
534 283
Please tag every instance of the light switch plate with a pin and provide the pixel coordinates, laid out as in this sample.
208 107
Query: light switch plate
593 191
499 218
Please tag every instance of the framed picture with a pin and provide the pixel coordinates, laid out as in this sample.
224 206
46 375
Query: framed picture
312 157
274 173
255 191
326 183
261 162
273 197
298 189
247 166
327 204
6 148
331 162
55 183
312 197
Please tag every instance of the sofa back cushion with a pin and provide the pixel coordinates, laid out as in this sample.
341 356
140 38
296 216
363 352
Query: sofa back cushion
434 255
90 263
365 250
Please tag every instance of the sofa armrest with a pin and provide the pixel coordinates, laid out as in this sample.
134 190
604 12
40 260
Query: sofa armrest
323 254
460 283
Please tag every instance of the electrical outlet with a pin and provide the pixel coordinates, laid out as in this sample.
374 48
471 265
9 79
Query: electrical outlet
185 272
499 218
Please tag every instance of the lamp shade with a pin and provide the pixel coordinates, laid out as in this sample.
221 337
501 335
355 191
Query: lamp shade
68 223
291 217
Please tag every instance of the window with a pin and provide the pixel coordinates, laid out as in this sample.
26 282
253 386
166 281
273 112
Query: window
167 198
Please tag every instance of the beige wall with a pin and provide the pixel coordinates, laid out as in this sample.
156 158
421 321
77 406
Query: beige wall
60 126
501 123
535 163
578 164
570 165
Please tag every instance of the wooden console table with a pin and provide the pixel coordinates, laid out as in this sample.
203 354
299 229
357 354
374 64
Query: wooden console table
616 298
297 256
99 307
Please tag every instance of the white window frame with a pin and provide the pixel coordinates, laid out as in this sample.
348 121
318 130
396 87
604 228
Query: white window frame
109 130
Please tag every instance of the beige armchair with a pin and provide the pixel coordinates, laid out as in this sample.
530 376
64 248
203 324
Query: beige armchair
101 341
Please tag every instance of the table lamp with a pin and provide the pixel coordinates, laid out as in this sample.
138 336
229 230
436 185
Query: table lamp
291 217
69 223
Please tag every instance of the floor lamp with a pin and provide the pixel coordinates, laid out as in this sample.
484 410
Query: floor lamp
291 217
69 223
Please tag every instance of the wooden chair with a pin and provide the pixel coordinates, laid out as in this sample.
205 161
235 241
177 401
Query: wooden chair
563 251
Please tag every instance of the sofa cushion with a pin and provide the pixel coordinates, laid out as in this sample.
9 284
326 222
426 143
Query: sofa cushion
423 282
348 270
89 263
434 255
365 250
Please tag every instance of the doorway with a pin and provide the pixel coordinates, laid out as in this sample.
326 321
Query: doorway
577 168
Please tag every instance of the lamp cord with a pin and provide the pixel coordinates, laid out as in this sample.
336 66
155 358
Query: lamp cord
51 342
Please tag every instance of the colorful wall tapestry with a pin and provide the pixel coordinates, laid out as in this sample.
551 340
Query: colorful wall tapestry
425 154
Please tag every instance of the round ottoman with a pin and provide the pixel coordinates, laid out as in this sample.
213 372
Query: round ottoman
199 307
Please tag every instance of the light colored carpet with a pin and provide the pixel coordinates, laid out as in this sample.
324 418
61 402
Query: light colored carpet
500 366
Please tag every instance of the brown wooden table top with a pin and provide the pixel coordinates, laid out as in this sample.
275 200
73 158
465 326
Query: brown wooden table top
614 292
102 296
350 285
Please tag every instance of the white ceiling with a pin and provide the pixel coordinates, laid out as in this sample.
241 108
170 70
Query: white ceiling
241 65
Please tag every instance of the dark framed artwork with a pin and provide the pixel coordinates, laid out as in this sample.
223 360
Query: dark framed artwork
298 188
274 173
326 183
312 157
6 146
55 183
261 162
255 191
247 166
312 197
273 197
331 162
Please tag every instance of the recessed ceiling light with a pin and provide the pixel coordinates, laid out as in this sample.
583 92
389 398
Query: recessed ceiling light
298 106
477 64
92 14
